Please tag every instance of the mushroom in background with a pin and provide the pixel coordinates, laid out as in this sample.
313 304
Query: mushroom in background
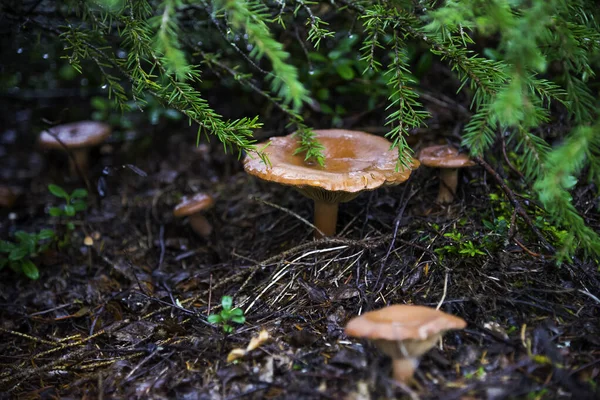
354 162
192 207
8 196
404 333
78 137
448 160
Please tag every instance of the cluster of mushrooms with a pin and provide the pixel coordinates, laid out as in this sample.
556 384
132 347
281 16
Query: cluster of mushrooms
355 162
77 139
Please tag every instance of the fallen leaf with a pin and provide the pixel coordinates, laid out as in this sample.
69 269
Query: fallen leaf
257 341
235 354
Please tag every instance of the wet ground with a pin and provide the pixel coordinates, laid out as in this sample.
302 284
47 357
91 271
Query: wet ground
125 315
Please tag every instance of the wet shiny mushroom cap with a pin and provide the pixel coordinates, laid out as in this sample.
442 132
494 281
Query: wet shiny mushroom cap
76 135
192 205
444 156
354 161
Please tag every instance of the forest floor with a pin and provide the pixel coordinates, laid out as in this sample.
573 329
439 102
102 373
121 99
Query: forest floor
126 316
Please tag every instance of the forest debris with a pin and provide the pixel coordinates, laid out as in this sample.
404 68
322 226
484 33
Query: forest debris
496 328
235 354
254 343
361 392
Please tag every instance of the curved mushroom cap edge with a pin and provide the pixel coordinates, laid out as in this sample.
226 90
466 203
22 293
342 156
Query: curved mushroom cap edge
194 204
76 135
355 161
403 322
444 156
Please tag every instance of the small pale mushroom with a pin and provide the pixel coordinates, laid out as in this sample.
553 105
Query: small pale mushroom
448 160
354 162
404 333
193 207
78 137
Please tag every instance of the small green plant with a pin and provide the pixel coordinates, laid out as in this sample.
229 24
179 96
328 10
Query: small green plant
460 246
18 255
227 315
470 249
536 395
500 227
477 374
74 203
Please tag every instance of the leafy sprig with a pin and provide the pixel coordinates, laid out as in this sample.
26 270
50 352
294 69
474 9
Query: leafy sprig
227 315
74 202
19 255
406 109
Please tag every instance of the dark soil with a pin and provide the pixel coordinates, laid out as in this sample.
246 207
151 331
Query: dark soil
126 317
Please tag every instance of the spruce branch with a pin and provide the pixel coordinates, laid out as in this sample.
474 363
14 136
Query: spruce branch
308 143
166 42
223 34
582 103
316 32
533 152
561 168
178 95
404 101
479 133
373 26
250 16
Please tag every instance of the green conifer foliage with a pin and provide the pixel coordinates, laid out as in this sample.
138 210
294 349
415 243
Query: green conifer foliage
539 62
534 35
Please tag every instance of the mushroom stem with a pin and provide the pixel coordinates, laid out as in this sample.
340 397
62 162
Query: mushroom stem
448 183
404 368
78 158
325 218
200 225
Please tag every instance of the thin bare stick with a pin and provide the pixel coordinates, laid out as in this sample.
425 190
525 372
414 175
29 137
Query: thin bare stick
515 203
444 292
71 157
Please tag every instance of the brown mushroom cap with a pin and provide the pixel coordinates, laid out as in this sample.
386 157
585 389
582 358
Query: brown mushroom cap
404 333
8 196
192 205
76 135
354 161
444 156
403 322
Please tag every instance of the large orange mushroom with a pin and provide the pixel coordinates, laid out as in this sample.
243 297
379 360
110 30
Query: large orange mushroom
354 162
